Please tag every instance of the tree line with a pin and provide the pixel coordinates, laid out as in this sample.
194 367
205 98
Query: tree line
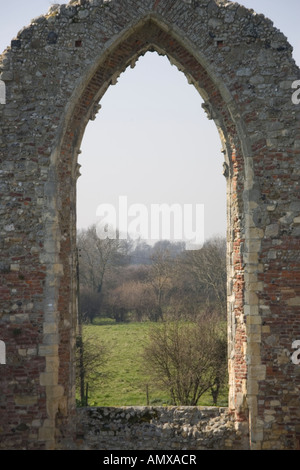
128 280
181 292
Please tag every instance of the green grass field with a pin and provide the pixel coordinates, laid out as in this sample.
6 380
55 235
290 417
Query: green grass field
127 381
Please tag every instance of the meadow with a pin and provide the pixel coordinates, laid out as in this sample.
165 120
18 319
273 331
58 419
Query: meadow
128 383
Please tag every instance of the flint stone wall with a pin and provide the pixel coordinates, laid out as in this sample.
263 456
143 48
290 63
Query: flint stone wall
158 428
55 72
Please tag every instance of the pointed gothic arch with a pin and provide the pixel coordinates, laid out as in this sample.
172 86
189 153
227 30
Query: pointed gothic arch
60 67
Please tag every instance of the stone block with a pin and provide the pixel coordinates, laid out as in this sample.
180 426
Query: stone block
257 372
272 230
254 320
294 302
25 400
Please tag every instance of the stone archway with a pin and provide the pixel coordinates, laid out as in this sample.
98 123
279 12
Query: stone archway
55 73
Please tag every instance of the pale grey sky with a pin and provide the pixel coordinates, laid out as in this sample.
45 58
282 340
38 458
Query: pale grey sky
151 140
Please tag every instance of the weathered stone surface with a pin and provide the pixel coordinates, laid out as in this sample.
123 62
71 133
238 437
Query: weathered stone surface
158 428
53 77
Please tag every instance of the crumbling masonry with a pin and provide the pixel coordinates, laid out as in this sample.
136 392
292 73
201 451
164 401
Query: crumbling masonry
53 76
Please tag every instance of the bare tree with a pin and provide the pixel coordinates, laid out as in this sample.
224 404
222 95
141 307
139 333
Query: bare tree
160 279
91 358
184 358
206 269
221 364
97 258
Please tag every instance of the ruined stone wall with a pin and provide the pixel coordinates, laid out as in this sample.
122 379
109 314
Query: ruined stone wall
54 73
161 428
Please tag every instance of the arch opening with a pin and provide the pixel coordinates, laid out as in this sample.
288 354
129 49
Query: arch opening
150 36
138 159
